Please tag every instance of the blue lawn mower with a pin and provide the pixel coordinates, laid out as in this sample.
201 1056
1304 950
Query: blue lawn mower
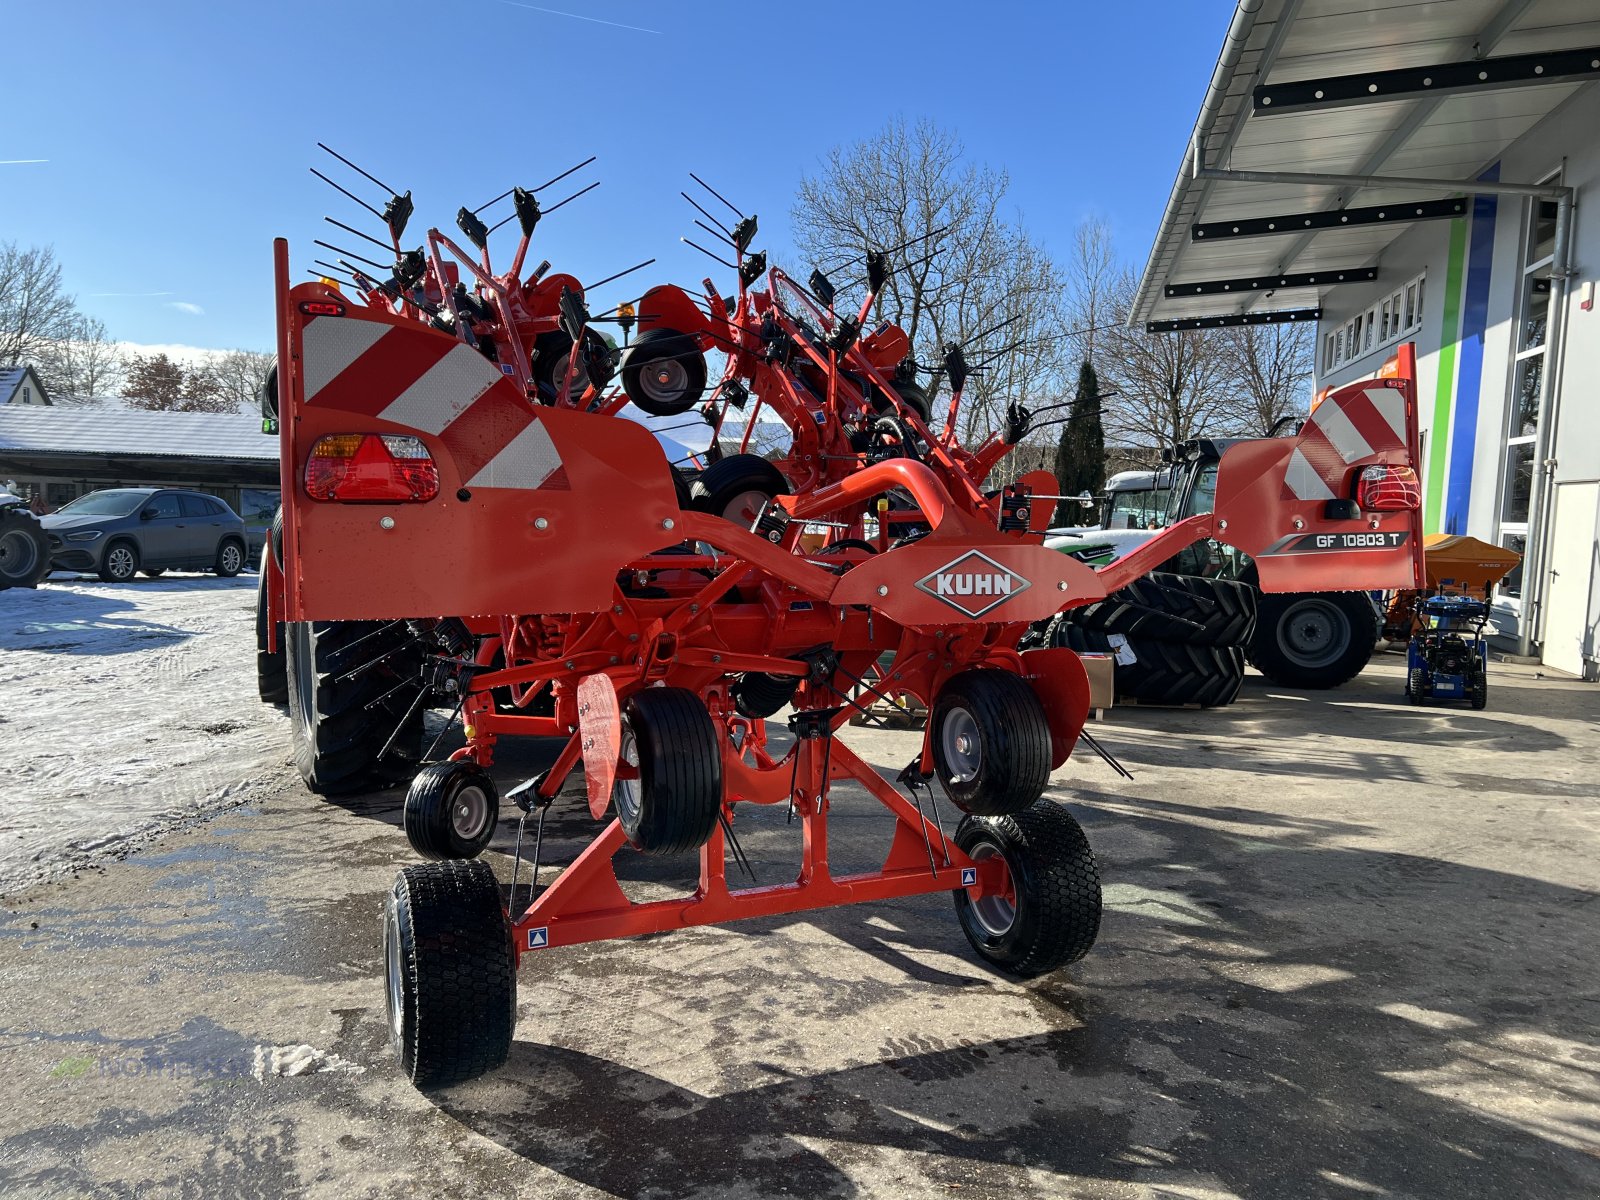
1447 658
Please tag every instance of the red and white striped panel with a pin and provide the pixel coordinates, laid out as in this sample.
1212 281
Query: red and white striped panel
434 385
1354 423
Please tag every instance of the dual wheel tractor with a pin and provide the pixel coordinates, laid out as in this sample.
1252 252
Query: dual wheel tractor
472 521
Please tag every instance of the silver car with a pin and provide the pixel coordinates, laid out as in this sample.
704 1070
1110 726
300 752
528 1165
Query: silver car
122 531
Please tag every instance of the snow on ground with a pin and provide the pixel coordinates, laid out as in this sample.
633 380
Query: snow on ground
123 709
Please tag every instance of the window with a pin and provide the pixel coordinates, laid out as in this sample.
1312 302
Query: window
1396 317
165 505
57 494
195 506
1525 403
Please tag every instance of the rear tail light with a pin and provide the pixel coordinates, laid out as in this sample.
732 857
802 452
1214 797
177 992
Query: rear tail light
371 468
1388 489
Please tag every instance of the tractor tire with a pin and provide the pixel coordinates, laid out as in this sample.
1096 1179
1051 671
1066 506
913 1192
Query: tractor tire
1174 673
991 742
451 810
1313 639
340 723
451 973
1175 608
664 372
275 537
673 802
736 488
758 695
272 679
24 549
1051 915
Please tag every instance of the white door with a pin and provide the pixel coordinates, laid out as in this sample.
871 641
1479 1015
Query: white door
1569 617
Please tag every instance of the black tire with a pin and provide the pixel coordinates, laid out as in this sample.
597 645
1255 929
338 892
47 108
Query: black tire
153 572
1313 639
674 803
451 973
24 549
272 679
230 558
759 695
733 487
451 810
1053 917
120 563
1478 689
340 725
1175 608
1417 687
275 537
991 742
664 372
550 363
915 396
1163 672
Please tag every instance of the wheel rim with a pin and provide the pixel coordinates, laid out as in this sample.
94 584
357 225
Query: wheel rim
745 508
962 745
19 555
230 557
394 971
995 911
1314 633
664 381
469 812
119 561
625 792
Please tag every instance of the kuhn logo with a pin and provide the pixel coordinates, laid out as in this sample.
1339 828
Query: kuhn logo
973 584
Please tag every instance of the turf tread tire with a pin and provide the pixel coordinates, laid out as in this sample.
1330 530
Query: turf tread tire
1057 885
459 999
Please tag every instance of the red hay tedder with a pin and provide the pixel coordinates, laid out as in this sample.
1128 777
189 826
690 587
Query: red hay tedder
468 521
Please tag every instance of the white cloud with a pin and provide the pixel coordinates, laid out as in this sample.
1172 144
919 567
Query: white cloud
184 306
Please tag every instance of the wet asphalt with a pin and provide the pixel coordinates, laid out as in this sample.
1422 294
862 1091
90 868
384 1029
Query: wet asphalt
1349 949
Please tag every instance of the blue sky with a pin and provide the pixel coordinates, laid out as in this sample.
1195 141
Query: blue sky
178 134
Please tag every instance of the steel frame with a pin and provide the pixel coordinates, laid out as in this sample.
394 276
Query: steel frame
1270 282
1280 316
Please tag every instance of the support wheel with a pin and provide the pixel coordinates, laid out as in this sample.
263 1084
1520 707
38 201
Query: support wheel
451 810
664 372
1478 690
759 695
451 971
736 488
668 792
991 742
1417 687
1048 913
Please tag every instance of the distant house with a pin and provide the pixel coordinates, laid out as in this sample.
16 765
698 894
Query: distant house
20 385
68 451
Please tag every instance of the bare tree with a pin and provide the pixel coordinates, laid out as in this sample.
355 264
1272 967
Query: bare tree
1170 386
237 376
34 310
83 365
1270 365
965 273
1091 275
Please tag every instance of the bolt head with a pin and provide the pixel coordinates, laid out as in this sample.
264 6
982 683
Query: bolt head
541 522
668 523
883 589
1061 585
386 523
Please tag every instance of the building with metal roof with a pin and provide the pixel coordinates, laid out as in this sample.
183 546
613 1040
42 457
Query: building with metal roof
57 454
1415 172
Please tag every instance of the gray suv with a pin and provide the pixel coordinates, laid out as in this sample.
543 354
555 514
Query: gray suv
121 531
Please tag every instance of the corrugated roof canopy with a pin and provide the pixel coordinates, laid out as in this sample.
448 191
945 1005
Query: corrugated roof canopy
129 432
1418 134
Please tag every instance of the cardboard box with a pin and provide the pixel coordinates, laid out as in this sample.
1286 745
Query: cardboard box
1100 669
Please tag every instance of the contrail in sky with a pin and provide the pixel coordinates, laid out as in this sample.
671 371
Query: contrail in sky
555 12
11 162
104 295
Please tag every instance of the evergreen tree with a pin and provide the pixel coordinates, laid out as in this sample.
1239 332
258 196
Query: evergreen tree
1081 450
